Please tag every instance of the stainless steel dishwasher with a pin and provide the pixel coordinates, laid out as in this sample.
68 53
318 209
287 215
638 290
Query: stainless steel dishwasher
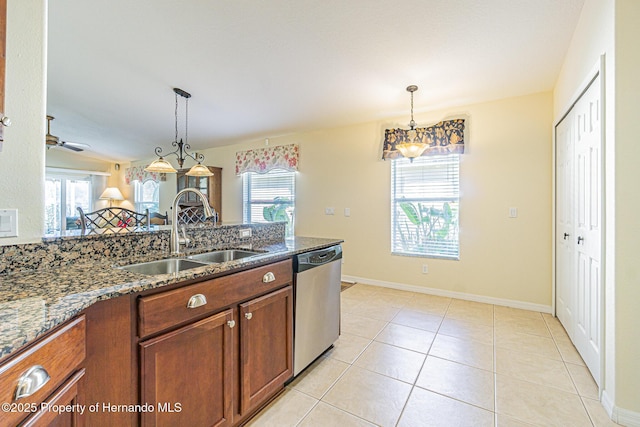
317 304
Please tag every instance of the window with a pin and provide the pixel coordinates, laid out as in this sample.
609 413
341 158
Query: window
425 206
146 195
269 197
63 194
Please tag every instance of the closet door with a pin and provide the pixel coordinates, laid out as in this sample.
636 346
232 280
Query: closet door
566 284
578 237
588 156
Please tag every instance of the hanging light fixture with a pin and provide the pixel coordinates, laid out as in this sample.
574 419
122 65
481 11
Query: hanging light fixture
412 147
161 165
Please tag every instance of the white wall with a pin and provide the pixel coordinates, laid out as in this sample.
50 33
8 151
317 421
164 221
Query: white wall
507 163
627 205
22 156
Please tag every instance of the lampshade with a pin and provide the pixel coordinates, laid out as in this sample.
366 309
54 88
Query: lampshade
160 165
112 193
199 170
412 149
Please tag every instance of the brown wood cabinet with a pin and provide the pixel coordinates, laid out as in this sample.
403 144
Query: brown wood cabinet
215 364
66 396
58 355
186 374
210 186
266 331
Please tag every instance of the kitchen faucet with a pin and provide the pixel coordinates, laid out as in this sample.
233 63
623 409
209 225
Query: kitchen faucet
176 240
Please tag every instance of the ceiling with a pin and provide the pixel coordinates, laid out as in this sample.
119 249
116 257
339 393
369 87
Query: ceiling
258 69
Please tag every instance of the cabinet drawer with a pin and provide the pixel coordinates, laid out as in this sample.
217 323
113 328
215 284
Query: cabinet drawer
57 356
64 396
167 309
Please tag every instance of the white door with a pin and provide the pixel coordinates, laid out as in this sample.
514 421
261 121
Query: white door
578 237
566 286
588 152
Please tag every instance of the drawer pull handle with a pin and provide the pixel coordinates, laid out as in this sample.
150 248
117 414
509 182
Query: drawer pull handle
269 277
197 300
248 315
31 381
231 323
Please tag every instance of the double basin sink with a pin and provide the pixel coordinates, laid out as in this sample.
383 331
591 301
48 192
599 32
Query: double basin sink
175 265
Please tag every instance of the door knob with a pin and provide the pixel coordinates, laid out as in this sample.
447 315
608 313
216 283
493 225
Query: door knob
580 239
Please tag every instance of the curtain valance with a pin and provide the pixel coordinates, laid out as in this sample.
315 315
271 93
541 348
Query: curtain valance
446 137
263 160
138 173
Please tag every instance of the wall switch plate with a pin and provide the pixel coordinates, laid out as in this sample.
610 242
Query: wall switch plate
329 211
245 232
513 212
425 269
347 211
8 222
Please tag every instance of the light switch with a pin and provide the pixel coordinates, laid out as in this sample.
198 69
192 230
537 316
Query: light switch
513 212
347 211
329 211
8 223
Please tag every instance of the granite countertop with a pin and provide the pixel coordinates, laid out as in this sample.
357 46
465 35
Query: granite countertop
32 303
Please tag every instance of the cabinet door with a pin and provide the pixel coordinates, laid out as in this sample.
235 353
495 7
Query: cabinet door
266 346
67 396
187 374
210 186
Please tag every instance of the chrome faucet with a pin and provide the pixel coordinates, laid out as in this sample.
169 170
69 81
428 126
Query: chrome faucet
176 240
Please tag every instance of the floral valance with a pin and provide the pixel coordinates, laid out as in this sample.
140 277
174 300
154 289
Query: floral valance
137 173
263 160
446 137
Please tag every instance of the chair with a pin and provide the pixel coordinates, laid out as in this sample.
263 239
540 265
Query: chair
158 219
113 218
193 215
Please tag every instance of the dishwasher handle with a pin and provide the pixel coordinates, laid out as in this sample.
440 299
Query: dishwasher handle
312 259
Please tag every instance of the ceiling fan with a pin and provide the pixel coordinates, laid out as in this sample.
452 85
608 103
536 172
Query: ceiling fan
54 141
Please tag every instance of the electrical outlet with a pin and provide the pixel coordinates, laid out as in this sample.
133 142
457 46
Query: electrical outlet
425 269
8 222
245 232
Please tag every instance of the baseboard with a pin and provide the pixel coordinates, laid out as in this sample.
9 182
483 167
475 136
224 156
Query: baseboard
607 404
626 417
451 294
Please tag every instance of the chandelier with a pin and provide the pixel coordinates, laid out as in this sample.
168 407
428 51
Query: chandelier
412 147
161 165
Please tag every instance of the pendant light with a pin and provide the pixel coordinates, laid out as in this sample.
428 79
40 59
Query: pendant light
161 165
412 148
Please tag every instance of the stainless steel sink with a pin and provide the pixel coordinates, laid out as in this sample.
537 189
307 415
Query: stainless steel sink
163 266
223 256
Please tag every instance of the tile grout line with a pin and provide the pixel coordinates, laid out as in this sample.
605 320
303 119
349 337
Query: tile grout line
413 386
564 362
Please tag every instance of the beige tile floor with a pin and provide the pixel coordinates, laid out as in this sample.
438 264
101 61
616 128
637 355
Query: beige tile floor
407 359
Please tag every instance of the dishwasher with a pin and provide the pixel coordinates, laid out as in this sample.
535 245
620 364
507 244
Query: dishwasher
317 304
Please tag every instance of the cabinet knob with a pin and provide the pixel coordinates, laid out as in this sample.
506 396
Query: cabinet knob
6 121
580 239
564 237
197 300
231 323
269 277
31 381
248 315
